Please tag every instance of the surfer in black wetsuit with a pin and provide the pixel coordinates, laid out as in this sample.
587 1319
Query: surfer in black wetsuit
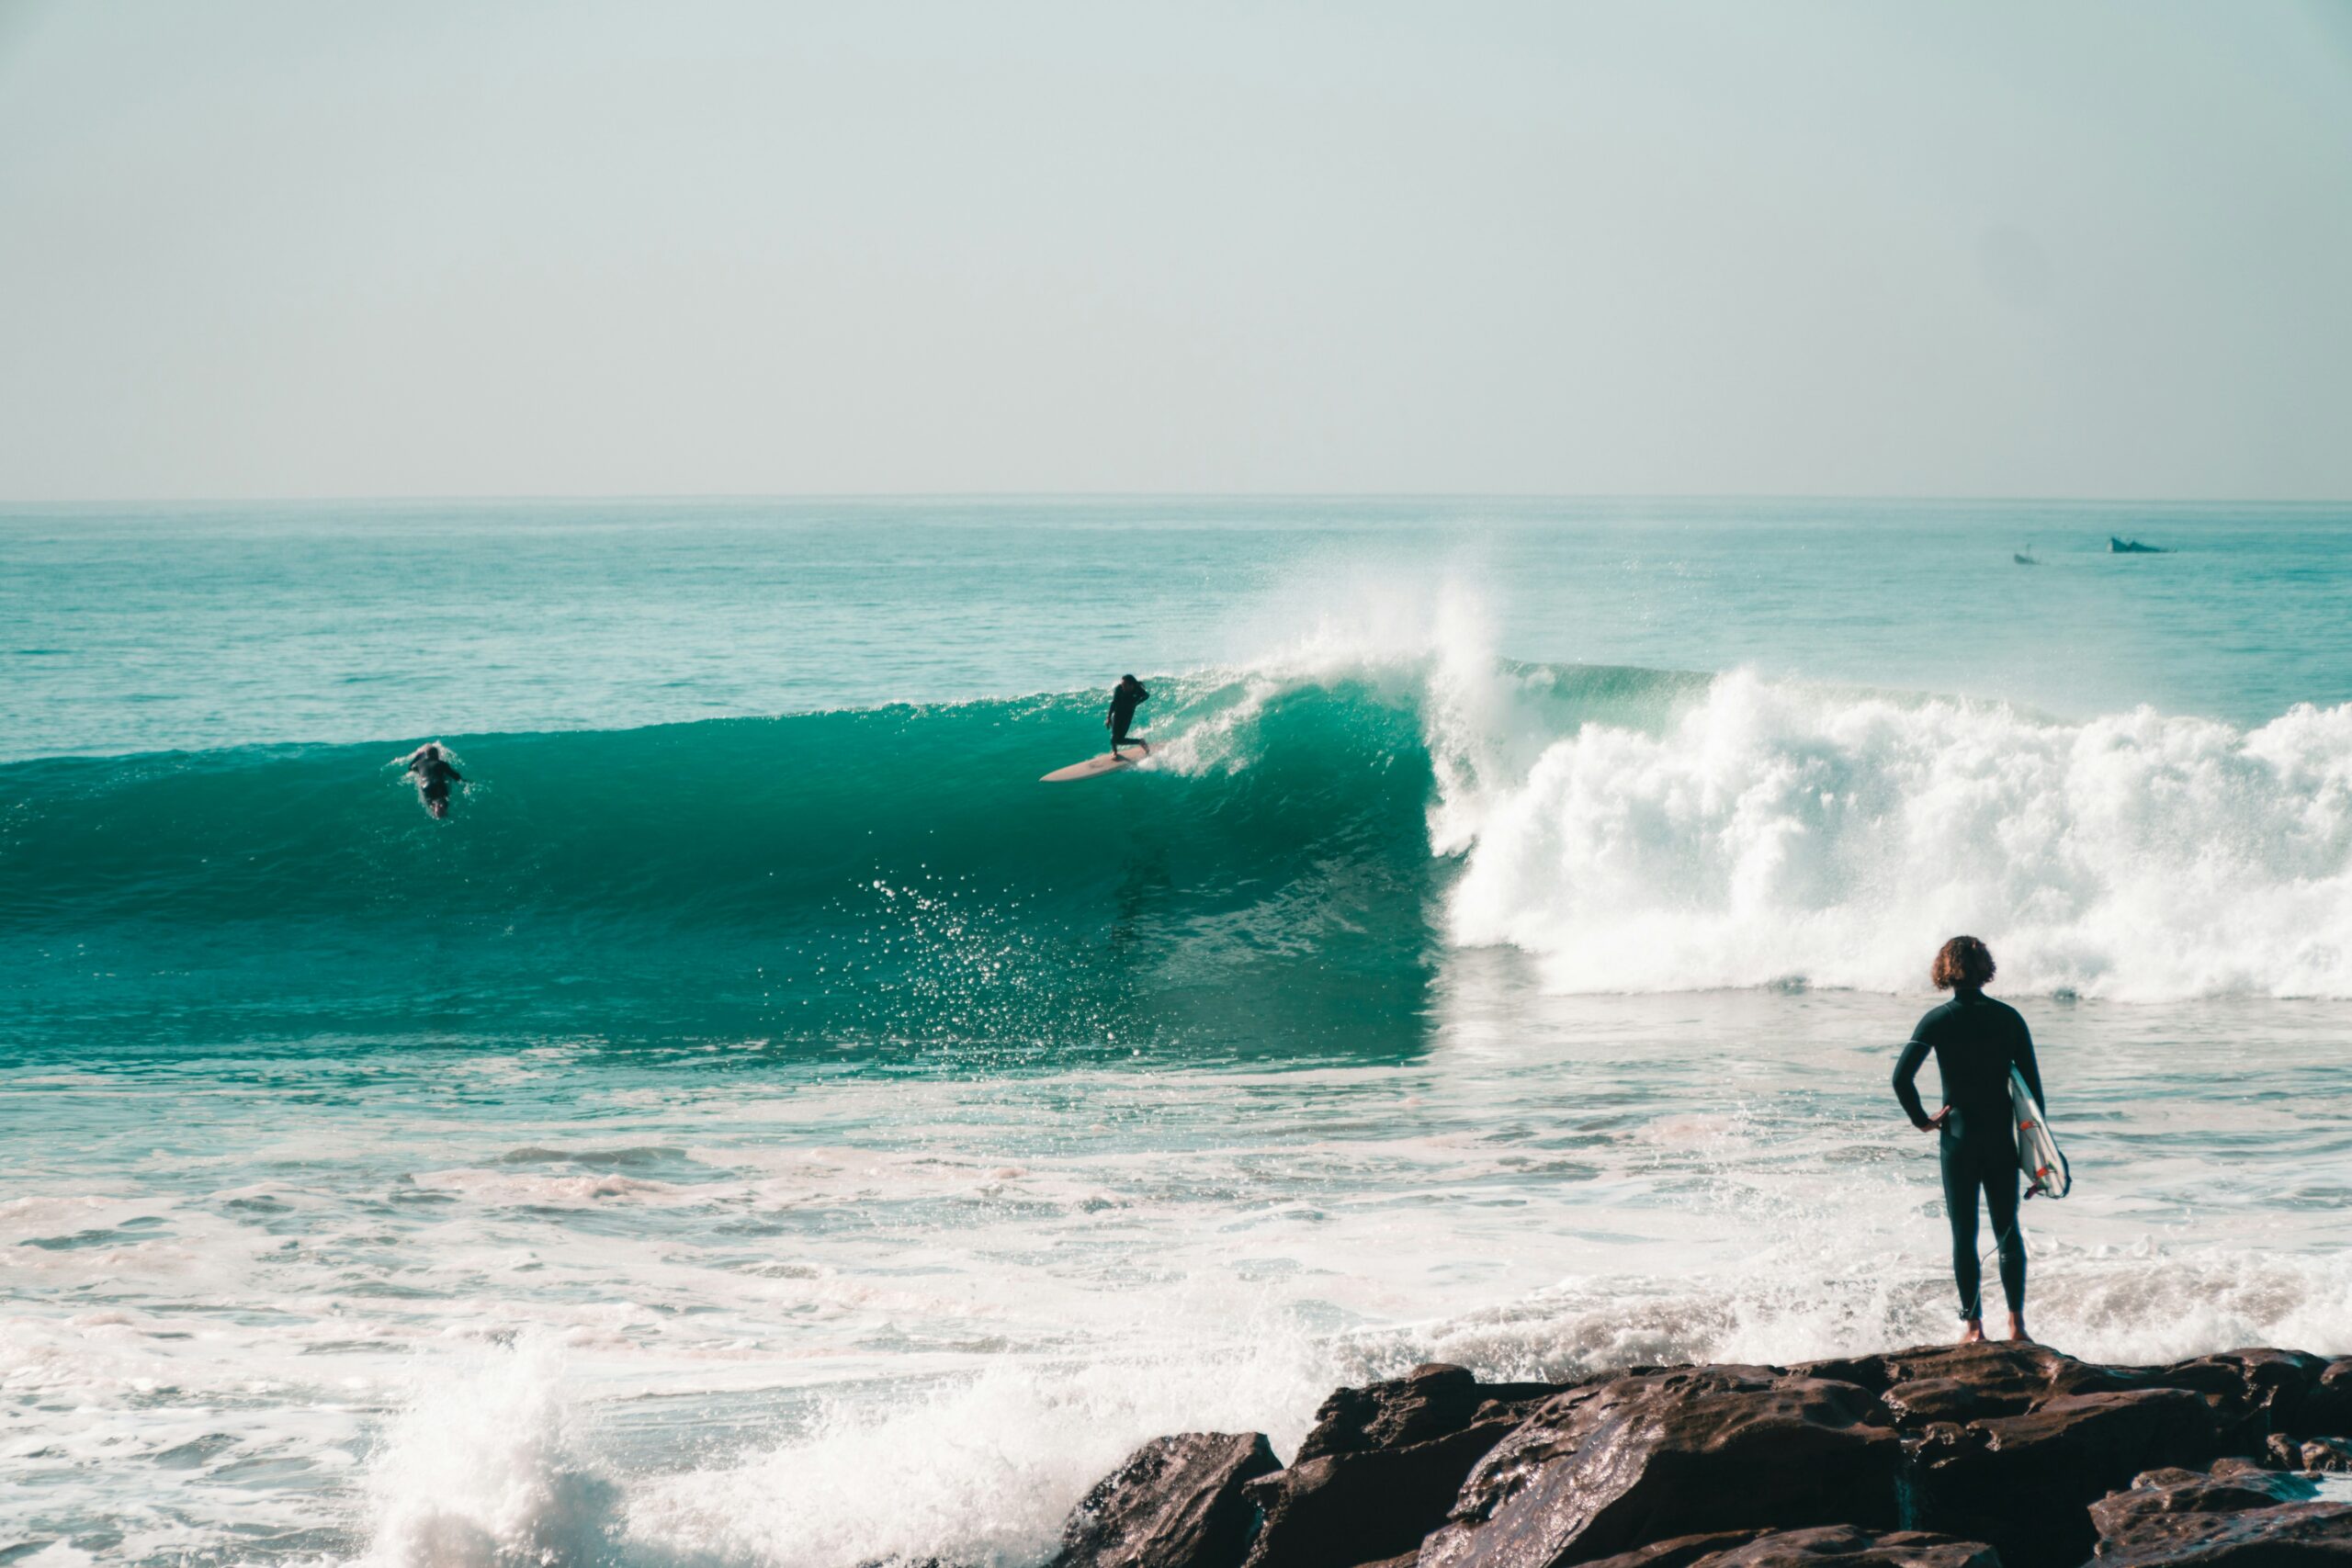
1125 696
1976 1041
435 774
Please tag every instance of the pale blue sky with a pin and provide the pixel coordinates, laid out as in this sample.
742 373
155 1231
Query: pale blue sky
287 247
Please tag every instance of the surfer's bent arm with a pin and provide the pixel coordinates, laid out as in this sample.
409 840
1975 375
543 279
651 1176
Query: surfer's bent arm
2028 1068
1906 1070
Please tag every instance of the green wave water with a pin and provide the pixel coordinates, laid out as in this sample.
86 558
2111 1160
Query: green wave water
893 880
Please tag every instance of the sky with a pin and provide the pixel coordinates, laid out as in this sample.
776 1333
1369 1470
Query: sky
302 248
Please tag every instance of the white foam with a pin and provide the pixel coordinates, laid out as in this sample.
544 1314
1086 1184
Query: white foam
981 1470
1762 832
1776 834
478 1472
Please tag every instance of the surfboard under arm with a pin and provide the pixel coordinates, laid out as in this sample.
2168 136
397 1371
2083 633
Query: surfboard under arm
2039 1156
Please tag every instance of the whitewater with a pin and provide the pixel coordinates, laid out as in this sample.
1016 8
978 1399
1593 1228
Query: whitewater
765 1125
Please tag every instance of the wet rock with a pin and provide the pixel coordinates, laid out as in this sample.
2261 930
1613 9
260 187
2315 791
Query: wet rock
2327 1409
2025 1483
2325 1456
1175 1502
1382 1467
1625 1462
1957 1383
2236 1514
1862 1371
2258 1391
1682 1552
1830 1546
2002 1363
1430 1400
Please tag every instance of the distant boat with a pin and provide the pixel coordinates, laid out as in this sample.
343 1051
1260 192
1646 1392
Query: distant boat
2116 546
2024 559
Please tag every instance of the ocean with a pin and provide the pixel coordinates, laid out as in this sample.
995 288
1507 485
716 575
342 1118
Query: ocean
763 1124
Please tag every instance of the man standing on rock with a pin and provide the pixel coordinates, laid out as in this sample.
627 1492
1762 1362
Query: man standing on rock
1976 1041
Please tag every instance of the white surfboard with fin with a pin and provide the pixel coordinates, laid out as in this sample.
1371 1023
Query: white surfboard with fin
2039 1156
1093 767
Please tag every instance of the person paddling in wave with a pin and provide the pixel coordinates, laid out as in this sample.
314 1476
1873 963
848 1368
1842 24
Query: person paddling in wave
1976 1041
434 773
1124 698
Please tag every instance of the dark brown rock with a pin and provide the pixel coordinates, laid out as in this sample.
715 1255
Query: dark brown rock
1175 1502
1965 1383
2025 1483
2237 1514
1961 1399
2327 1409
2258 1391
2325 1456
1682 1552
1849 1548
1862 1371
1991 1363
1382 1467
1622 1463
1816 1547
1430 1400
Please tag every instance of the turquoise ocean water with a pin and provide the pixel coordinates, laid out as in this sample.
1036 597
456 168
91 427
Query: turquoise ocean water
764 1125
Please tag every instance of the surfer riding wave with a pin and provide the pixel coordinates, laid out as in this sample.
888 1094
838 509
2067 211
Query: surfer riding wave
1124 698
1976 1041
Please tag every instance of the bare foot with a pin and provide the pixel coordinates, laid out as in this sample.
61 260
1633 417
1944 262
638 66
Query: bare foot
1975 1335
2017 1329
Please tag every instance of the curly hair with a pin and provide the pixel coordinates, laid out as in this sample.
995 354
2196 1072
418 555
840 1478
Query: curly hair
1963 961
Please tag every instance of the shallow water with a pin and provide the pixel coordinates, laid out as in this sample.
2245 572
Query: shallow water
803 1138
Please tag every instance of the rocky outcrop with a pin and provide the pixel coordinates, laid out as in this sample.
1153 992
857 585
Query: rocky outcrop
1175 1502
1984 1456
2012 1444
2327 1409
1383 1466
1620 1464
2330 1456
1831 1546
2235 1516
2025 1483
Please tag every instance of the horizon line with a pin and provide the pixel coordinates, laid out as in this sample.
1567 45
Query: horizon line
622 497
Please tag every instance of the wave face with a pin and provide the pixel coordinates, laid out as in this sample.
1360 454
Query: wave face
1286 874
889 878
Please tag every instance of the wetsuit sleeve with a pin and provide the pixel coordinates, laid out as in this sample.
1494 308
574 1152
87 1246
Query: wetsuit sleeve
457 776
2028 1068
1142 696
1906 1088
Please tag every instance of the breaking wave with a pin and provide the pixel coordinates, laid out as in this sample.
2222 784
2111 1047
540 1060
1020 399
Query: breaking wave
1311 837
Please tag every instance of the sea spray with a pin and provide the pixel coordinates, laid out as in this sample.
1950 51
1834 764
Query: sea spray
1773 831
481 1471
980 1470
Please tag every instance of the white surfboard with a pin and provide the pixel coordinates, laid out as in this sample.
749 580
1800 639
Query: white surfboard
1109 763
2039 1156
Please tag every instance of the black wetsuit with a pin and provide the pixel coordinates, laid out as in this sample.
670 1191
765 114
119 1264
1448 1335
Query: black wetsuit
434 777
1125 697
1976 1041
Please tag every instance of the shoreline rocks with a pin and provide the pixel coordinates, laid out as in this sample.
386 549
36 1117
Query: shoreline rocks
1986 1456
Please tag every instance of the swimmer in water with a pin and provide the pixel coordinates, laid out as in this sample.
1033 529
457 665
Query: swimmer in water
435 774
